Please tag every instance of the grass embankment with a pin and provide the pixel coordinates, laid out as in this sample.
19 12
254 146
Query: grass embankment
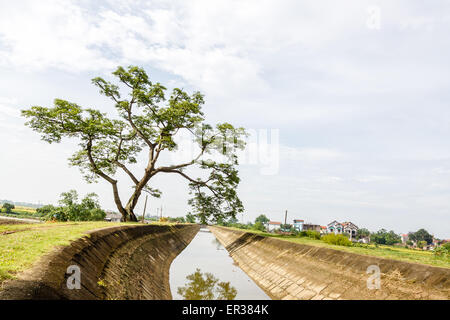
388 252
22 244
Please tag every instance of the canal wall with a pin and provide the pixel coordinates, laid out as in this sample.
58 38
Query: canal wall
291 271
124 262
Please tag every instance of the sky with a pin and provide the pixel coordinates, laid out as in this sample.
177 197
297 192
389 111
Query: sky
348 102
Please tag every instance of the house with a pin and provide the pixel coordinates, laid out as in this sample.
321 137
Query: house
335 227
323 229
364 240
311 227
345 227
404 237
298 224
113 216
350 228
273 225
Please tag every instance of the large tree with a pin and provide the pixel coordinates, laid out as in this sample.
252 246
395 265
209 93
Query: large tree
147 122
421 235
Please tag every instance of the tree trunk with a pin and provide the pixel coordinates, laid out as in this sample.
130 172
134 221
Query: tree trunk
131 215
119 206
129 209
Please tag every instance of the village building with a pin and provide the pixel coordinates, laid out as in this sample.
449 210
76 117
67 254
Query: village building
112 216
364 240
340 228
298 224
404 238
335 227
273 225
350 228
311 227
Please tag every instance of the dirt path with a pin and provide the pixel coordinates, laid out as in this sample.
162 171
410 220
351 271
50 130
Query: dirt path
12 220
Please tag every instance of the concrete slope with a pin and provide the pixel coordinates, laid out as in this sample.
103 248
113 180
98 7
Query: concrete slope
124 262
287 270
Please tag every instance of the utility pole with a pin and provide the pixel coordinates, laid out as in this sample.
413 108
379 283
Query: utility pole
285 218
145 207
160 211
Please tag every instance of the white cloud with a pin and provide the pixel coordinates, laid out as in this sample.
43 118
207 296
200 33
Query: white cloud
362 114
310 154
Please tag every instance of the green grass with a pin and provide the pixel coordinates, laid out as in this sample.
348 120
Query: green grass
388 252
20 249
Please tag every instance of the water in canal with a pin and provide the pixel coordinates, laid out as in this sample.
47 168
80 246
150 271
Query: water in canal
205 271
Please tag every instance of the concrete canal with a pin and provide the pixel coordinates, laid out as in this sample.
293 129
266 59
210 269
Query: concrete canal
205 270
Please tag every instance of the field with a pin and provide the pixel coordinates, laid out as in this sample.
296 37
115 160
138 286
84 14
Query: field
388 252
21 212
22 244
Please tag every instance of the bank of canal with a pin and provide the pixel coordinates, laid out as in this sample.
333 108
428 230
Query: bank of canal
206 255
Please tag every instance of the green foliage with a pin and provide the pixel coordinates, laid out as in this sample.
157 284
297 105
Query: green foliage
262 218
313 234
384 237
446 246
147 122
421 235
204 286
421 244
309 234
190 218
336 239
258 226
70 210
177 219
286 227
442 251
362 233
8 207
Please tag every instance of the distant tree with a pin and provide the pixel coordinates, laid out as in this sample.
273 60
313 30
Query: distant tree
8 207
286 227
262 218
362 233
147 121
71 210
232 220
177 219
421 235
190 218
45 210
384 237
258 226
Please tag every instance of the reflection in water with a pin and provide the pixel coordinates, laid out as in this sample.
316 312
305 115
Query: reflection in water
209 256
204 286
218 244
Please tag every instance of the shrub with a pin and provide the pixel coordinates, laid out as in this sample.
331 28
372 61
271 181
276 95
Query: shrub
88 210
313 234
336 239
441 251
258 226
8 207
